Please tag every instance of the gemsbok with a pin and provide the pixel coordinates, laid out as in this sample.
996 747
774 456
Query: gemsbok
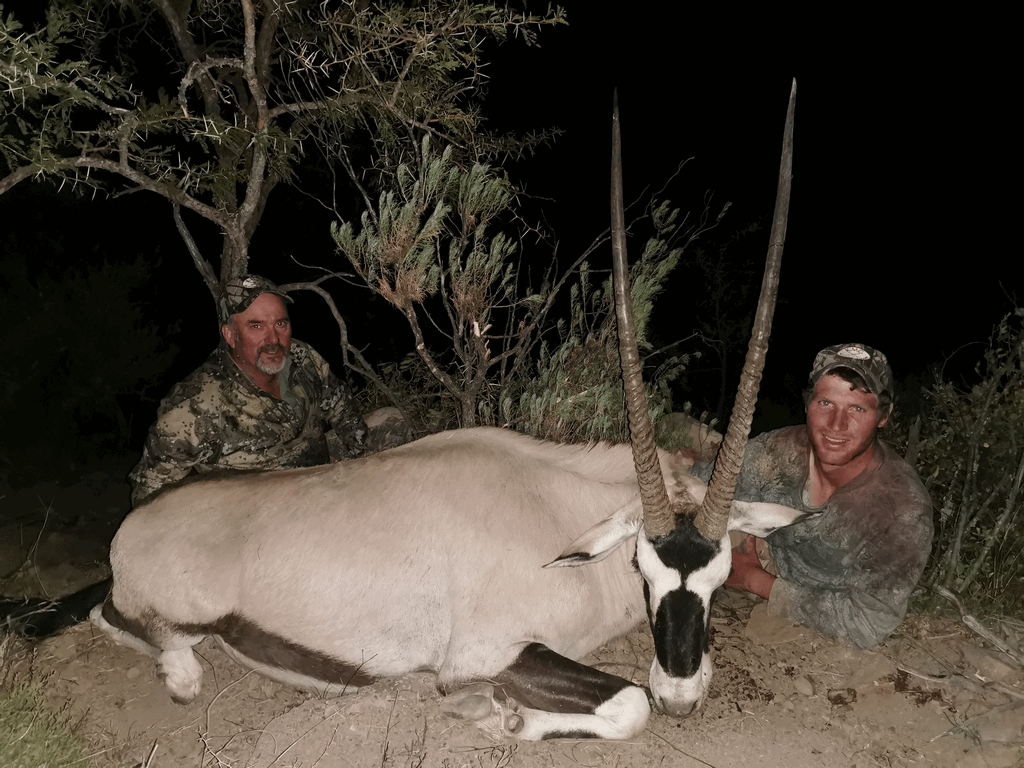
492 559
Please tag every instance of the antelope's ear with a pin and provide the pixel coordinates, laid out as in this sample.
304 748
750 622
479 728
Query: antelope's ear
760 518
601 540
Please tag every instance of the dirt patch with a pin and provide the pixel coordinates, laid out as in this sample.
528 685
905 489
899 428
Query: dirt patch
781 696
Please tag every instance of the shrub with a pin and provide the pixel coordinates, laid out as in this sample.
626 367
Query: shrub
970 455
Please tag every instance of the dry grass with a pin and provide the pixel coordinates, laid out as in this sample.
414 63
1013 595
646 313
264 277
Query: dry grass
31 733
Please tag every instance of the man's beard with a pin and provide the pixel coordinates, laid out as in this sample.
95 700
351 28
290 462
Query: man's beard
271 368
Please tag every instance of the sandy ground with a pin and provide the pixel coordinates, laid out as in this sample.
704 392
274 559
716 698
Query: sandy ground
782 696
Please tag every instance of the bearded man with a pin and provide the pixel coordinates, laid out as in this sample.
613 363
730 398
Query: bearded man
848 569
262 400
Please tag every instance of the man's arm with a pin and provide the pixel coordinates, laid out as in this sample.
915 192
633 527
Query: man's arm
747 572
339 411
849 613
860 595
171 451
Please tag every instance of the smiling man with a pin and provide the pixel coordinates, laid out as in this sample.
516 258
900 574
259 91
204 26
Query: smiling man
262 400
846 571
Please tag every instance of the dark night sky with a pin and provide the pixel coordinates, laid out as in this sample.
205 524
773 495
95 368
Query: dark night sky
901 144
898 207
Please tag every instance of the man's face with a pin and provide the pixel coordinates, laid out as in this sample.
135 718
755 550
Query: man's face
261 336
841 421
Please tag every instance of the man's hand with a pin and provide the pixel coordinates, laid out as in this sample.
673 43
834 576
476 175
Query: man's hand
747 572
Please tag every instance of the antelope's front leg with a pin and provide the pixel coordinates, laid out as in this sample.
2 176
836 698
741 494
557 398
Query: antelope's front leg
543 695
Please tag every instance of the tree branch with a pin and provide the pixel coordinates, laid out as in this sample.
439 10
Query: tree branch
204 267
364 368
972 623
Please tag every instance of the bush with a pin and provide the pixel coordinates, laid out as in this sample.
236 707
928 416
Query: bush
576 391
970 455
482 321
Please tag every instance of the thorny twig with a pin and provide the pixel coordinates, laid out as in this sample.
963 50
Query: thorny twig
976 626
959 681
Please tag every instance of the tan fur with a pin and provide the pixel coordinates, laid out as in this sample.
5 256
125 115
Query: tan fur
427 556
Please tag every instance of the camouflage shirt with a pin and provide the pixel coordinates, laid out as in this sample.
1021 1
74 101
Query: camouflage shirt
217 418
847 571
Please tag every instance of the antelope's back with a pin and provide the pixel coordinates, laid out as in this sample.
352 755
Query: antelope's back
427 556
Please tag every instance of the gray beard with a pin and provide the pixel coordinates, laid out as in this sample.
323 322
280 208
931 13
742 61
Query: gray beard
269 368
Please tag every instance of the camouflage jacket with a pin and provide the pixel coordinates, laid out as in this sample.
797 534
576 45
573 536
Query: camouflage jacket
217 418
848 570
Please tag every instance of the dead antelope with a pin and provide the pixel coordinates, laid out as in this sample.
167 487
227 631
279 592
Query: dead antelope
441 555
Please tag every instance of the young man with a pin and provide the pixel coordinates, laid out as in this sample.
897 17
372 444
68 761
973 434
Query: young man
848 570
262 400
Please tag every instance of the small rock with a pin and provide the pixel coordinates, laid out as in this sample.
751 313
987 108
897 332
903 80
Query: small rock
839 697
804 685
843 713
132 673
871 667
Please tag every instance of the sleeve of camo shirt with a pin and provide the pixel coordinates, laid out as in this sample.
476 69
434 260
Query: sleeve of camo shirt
176 443
849 573
339 410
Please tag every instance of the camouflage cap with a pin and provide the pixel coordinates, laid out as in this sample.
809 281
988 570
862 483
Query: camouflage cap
869 363
239 293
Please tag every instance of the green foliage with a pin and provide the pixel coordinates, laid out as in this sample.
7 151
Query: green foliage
430 236
396 250
576 393
212 105
430 249
970 455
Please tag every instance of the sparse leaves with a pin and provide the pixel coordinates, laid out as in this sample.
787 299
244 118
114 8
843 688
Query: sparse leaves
576 393
971 459
430 235
211 105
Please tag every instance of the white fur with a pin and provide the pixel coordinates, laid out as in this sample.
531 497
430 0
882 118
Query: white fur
425 557
182 674
760 518
621 717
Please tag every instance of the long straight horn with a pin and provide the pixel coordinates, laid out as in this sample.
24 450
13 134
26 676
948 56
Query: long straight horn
713 516
657 517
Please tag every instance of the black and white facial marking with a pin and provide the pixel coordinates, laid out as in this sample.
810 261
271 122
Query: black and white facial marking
681 571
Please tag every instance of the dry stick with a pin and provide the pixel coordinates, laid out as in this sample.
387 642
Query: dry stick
959 681
979 628
364 366
387 732
303 735
330 743
111 748
1004 520
34 549
213 753
221 693
953 680
683 752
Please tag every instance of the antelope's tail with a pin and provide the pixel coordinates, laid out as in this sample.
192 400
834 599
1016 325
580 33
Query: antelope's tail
37 618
